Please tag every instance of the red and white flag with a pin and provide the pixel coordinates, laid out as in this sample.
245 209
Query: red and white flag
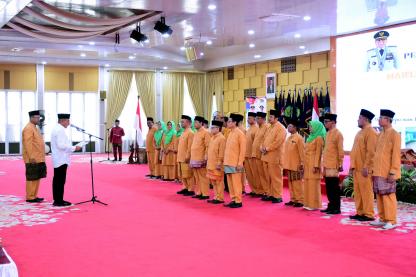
138 125
315 110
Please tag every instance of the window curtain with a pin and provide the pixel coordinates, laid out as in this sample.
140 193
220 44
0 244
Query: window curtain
173 86
215 84
120 82
145 82
196 90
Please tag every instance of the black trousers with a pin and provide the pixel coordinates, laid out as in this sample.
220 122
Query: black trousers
333 191
58 183
117 147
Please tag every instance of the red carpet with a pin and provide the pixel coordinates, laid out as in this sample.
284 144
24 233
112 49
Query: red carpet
148 230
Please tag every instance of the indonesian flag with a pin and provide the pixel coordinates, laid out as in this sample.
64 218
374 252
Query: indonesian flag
315 110
138 124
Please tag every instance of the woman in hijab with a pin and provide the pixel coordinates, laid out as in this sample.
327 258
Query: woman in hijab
161 127
179 132
169 152
312 175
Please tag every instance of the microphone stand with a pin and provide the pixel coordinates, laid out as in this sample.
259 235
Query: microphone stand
94 198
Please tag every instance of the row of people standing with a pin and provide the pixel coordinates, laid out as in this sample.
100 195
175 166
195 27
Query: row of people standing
263 152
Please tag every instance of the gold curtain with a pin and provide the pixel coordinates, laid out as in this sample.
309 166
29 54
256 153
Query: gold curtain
145 82
172 87
215 84
196 90
118 91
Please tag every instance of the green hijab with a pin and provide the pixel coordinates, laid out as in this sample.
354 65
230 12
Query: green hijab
170 133
180 132
318 130
159 133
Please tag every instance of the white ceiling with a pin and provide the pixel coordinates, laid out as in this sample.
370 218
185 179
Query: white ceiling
227 27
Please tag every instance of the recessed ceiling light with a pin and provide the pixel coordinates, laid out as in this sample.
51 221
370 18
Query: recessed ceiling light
251 45
39 51
297 35
107 65
165 67
147 41
44 62
17 49
91 43
182 48
80 46
83 55
306 52
302 47
165 35
209 42
189 28
250 32
257 56
131 57
212 7
201 54
306 18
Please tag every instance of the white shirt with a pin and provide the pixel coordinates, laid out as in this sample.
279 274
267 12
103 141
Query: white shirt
61 147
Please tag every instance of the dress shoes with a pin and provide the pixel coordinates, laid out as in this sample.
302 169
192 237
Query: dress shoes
182 191
298 205
366 218
229 204
355 217
266 198
198 196
290 203
276 200
236 205
333 212
215 201
189 193
325 211
202 197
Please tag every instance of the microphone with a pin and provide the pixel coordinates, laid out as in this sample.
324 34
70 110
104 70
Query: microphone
76 127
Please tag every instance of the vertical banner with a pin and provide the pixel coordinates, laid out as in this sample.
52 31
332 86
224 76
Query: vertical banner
271 85
256 104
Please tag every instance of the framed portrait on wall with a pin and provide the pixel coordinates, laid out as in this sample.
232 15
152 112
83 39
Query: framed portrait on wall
271 81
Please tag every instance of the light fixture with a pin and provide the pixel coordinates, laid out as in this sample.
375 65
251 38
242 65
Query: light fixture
44 62
182 48
306 18
165 67
147 41
201 54
137 35
212 7
302 47
251 45
162 28
297 35
80 46
250 32
83 55
91 43
209 42
257 56
166 35
131 57
306 52
16 49
107 65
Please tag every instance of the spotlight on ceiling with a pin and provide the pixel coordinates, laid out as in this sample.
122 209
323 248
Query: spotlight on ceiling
162 28
137 35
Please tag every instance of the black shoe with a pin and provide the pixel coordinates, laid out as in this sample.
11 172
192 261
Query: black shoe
298 205
148 175
59 204
366 218
33 200
182 191
198 196
355 217
119 159
202 197
189 193
258 195
236 205
290 203
66 203
276 200
334 212
229 204
266 198
325 211
114 160
215 201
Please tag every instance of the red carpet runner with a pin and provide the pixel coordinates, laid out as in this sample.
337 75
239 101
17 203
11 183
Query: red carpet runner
148 230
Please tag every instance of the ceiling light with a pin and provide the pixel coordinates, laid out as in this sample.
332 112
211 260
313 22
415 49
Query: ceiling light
83 55
189 28
147 41
302 47
297 35
182 48
209 42
212 7
80 46
107 65
43 62
162 28
201 54
257 56
131 57
91 43
306 18
165 67
306 52
137 35
16 49
39 51
250 32
251 45
166 35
